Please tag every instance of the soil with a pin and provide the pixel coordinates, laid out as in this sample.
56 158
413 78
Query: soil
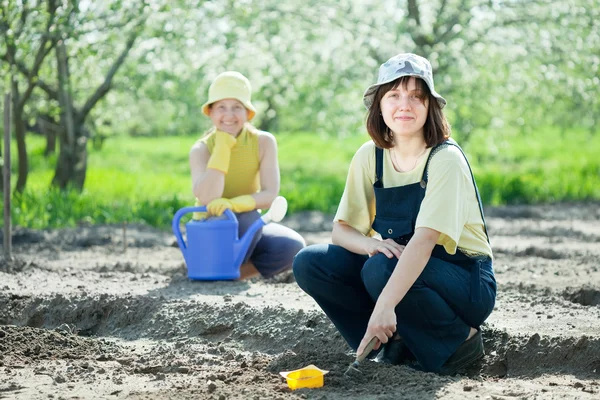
108 312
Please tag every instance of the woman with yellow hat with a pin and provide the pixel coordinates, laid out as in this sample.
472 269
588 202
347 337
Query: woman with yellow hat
234 166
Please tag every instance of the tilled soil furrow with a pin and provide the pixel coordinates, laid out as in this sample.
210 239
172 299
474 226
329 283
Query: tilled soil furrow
108 312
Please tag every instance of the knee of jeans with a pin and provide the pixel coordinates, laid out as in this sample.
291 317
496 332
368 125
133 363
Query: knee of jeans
374 278
407 310
301 266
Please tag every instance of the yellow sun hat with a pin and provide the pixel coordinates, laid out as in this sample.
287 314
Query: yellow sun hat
230 85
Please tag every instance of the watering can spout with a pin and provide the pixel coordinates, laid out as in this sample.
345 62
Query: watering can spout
275 214
241 246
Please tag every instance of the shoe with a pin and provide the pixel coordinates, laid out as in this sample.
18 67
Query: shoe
466 354
395 352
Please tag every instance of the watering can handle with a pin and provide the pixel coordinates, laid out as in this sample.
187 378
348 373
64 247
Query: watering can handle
187 210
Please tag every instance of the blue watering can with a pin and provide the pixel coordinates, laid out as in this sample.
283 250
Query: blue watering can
213 250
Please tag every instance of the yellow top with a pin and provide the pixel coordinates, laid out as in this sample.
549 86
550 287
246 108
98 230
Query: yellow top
243 176
450 205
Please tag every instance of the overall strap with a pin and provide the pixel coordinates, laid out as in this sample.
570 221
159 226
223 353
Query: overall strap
435 149
378 163
424 179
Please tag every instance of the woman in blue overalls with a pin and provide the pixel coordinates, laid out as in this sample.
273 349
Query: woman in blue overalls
411 262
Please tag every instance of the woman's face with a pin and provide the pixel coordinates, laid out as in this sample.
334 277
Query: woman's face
404 110
228 115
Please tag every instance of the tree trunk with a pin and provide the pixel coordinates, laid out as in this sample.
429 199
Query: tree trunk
50 142
46 125
80 166
2 165
23 164
72 160
23 161
23 169
19 99
71 166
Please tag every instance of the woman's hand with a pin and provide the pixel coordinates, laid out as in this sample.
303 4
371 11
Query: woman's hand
382 325
388 247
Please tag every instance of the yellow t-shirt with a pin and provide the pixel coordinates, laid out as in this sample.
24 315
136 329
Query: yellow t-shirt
243 176
450 205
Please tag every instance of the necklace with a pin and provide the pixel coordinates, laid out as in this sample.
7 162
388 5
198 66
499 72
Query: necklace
397 164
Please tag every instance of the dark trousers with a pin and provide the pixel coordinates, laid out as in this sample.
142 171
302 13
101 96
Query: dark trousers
273 247
433 318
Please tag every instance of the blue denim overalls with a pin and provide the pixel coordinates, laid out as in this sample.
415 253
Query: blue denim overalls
396 214
452 294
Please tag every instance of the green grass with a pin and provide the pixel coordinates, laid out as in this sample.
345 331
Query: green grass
544 166
147 179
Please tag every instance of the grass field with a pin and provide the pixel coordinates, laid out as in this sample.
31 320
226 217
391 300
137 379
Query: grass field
147 179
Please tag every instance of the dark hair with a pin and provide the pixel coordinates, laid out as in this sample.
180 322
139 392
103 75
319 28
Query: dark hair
436 128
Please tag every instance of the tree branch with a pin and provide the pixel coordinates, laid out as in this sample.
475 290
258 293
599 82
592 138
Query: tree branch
23 20
33 73
40 55
413 12
437 25
105 86
52 93
448 33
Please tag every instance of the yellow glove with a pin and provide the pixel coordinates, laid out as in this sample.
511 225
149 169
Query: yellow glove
198 215
219 159
237 205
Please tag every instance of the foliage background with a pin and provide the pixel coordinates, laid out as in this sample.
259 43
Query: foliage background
521 78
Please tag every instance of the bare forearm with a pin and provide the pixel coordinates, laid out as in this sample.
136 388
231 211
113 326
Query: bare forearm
209 186
349 238
264 198
413 260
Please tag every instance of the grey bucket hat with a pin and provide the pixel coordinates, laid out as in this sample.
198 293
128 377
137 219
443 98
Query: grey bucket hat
405 64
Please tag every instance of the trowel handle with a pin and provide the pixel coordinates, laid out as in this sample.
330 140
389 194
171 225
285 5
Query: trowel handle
367 350
186 210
